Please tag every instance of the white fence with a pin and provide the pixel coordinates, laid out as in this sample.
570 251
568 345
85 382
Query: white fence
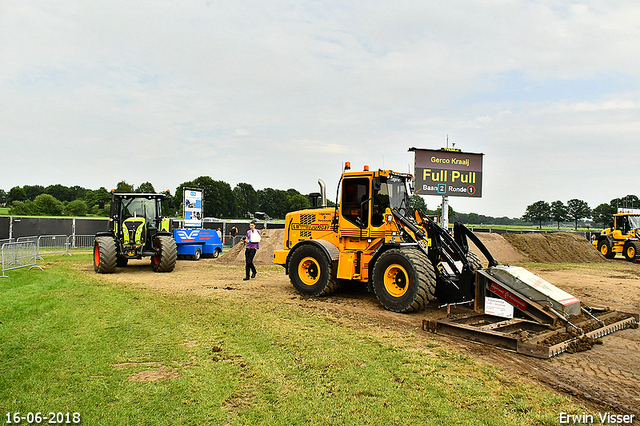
19 255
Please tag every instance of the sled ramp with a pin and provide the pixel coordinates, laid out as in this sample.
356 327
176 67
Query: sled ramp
517 310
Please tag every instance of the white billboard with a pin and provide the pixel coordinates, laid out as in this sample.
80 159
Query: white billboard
192 203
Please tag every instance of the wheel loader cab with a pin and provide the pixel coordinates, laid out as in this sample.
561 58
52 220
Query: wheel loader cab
366 198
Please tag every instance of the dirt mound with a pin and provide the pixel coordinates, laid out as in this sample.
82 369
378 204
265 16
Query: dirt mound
499 248
270 240
557 247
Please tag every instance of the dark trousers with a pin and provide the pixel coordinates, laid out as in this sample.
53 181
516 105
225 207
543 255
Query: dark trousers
249 254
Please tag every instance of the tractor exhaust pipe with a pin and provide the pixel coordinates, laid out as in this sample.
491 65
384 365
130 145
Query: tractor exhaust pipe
323 192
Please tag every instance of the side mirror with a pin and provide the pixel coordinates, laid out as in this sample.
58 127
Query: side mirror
101 204
376 184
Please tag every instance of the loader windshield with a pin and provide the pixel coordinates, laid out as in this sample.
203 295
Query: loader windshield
392 194
634 222
398 195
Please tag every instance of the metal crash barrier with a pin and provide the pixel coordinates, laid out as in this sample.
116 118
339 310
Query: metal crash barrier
48 244
19 255
80 242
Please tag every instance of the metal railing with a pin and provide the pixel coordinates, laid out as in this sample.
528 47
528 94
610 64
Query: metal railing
80 242
53 244
17 255
48 244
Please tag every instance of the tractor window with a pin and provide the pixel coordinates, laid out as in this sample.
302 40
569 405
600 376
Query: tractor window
355 200
634 222
139 207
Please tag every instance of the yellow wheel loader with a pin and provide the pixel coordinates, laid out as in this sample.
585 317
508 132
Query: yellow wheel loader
372 236
622 236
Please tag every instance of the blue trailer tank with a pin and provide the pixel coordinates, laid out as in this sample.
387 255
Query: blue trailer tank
196 243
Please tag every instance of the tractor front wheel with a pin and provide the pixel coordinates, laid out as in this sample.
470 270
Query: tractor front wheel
165 260
104 255
311 272
404 280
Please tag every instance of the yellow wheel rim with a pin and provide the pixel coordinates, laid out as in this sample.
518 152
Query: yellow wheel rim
604 249
396 280
631 252
309 271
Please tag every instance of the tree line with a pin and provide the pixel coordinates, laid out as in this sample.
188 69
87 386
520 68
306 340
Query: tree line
220 200
575 210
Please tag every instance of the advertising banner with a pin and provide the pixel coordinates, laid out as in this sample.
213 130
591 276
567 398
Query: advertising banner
192 202
448 172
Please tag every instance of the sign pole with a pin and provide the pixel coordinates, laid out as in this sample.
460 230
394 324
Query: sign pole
444 222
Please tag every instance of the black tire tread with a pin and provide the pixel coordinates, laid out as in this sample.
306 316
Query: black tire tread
426 279
332 283
108 255
168 253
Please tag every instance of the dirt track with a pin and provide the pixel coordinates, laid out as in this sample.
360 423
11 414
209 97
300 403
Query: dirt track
606 377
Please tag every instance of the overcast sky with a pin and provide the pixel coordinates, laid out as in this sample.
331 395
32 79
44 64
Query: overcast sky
280 93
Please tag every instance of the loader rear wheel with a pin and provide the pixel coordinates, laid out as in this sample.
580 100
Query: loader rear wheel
404 280
104 255
311 273
630 251
165 261
604 247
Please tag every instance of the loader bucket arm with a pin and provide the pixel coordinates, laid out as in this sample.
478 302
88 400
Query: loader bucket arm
455 277
461 233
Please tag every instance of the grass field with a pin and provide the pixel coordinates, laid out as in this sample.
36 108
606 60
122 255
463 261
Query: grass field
72 343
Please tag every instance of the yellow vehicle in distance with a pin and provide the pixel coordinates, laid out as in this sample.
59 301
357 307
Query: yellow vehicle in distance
622 236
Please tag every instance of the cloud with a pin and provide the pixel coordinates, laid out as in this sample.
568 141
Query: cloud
204 88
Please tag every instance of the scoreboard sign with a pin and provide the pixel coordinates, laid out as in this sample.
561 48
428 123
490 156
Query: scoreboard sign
448 172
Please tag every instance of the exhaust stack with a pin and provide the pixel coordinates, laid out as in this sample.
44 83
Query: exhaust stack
323 192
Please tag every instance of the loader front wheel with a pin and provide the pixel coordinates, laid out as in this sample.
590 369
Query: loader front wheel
165 260
311 273
104 255
630 251
604 247
404 280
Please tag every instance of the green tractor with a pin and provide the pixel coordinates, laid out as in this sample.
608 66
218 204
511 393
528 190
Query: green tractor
136 229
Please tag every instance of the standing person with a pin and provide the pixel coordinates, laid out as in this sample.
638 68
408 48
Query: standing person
252 245
234 232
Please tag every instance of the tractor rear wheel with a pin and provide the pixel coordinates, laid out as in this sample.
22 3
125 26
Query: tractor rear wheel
165 261
311 273
404 280
605 248
630 251
104 255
